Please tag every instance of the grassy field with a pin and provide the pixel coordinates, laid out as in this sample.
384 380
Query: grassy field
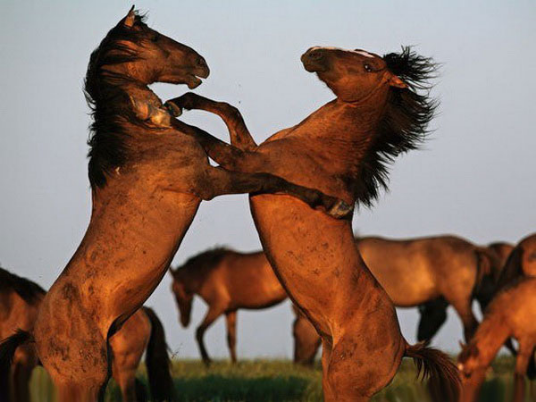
274 380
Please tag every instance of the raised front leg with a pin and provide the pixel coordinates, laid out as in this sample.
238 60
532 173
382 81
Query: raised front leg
239 133
210 317
218 181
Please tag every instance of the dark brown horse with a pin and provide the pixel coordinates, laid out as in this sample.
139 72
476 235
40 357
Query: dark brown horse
512 313
227 281
148 176
381 110
520 262
20 299
429 273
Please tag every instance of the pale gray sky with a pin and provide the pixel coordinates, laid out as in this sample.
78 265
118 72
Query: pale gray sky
474 177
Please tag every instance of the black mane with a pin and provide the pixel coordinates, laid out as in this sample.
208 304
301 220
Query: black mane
108 139
207 259
29 291
404 124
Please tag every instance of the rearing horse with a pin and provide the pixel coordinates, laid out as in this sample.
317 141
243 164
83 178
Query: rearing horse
148 176
342 149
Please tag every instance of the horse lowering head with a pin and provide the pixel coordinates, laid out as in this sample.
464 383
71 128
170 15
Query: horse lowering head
135 51
472 371
394 90
183 296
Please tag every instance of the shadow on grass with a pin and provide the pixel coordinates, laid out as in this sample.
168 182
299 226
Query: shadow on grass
261 389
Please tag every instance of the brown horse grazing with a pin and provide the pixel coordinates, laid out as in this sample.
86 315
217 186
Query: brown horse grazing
520 262
512 313
227 281
20 299
148 176
341 149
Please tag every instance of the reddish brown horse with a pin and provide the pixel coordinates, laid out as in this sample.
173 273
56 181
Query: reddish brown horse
512 313
227 281
20 299
148 176
381 110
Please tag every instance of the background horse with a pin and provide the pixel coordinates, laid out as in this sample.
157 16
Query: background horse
227 281
512 313
148 176
521 261
380 112
20 299
429 273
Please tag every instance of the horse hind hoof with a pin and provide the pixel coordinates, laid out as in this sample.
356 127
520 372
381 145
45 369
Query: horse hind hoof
341 210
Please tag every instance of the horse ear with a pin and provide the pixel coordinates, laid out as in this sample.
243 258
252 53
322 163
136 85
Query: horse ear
396 82
130 18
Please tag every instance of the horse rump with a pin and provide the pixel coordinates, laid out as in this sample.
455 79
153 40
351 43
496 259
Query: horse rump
8 348
158 362
443 378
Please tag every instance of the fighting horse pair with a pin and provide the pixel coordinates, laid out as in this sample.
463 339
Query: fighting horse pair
149 172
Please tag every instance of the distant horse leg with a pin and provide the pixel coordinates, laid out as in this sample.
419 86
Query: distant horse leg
522 362
230 320
210 317
433 316
240 135
21 374
469 321
329 395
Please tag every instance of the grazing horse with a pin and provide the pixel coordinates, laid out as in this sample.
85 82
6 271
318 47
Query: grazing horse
20 299
512 313
148 176
382 109
227 281
429 273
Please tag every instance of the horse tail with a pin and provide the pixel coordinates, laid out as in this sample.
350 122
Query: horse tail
158 362
139 389
8 347
512 269
443 379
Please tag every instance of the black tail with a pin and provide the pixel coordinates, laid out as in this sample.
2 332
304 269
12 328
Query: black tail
158 362
7 350
141 393
444 381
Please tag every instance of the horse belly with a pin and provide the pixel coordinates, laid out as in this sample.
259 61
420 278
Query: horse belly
313 255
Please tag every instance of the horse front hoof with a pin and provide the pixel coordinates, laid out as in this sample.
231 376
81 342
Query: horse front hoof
341 210
173 109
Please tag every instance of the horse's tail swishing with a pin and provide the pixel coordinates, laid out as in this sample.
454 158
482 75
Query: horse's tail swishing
158 362
444 380
8 347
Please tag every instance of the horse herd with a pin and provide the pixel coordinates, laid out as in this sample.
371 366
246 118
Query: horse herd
149 171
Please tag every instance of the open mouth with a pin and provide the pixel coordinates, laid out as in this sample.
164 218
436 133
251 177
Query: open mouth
193 81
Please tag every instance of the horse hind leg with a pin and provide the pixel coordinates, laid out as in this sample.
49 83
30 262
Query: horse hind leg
230 318
469 321
522 363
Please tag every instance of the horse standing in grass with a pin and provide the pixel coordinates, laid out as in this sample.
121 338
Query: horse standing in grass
20 299
342 148
512 313
227 281
148 176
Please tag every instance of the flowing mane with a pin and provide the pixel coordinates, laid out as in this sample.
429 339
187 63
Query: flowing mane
107 100
404 123
29 291
206 259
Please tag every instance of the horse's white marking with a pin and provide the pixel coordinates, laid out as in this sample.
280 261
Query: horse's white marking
361 52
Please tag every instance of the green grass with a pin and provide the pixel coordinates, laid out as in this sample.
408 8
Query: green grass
280 380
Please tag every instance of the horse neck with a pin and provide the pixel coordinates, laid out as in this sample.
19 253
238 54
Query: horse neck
344 129
489 337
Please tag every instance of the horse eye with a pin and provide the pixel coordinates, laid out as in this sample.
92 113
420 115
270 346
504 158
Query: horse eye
368 68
